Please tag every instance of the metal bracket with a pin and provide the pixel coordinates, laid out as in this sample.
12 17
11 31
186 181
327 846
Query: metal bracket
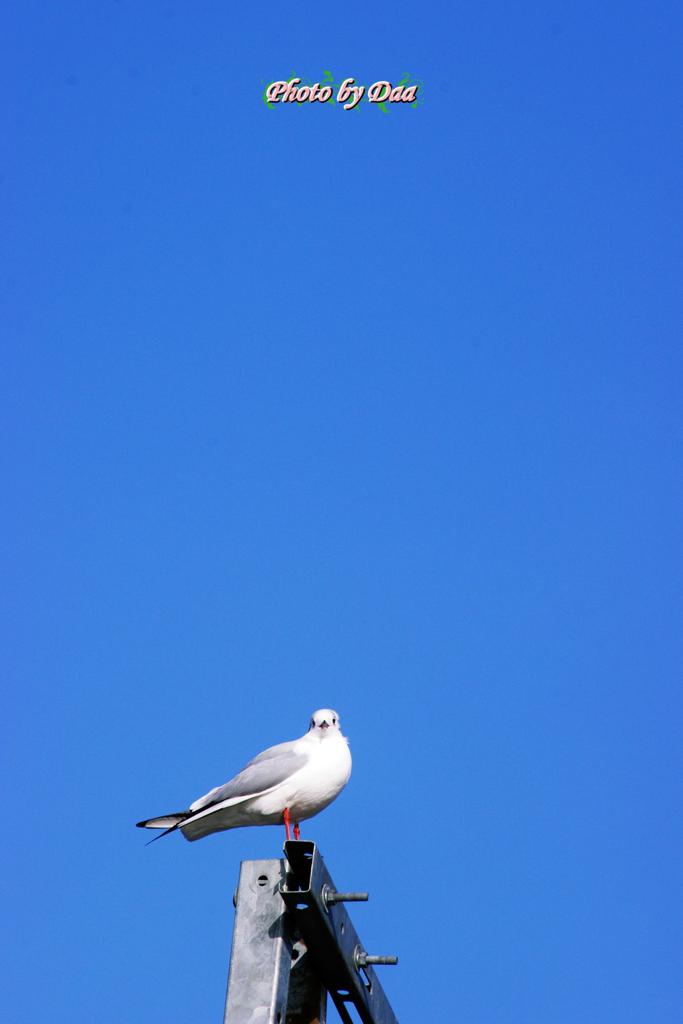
340 960
287 955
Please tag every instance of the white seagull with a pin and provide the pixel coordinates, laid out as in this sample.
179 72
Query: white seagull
285 784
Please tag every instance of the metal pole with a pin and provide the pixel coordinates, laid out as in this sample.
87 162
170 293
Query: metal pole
340 960
293 941
261 952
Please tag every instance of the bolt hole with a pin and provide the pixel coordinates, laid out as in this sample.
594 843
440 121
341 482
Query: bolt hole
295 954
262 880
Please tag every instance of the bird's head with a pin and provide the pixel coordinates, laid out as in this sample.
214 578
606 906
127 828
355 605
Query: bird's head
324 722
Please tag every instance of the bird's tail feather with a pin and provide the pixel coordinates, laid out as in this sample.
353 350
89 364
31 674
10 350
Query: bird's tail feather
165 821
162 834
169 822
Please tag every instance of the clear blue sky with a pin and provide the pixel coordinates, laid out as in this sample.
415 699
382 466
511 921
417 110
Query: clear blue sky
380 411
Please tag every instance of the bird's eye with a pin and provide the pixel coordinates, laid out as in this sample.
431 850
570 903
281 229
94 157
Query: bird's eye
334 721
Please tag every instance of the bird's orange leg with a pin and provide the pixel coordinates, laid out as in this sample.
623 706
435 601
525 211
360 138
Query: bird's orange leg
285 818
297 831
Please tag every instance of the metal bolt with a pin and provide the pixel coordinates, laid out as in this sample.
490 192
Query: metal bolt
363 959
330 896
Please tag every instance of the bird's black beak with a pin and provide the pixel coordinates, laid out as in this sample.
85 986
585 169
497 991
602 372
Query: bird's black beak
324 725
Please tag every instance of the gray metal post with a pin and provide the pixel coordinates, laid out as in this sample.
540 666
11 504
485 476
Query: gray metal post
293 942
261 949
341 962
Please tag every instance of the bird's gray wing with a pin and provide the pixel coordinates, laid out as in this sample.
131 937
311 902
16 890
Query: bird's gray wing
264 772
